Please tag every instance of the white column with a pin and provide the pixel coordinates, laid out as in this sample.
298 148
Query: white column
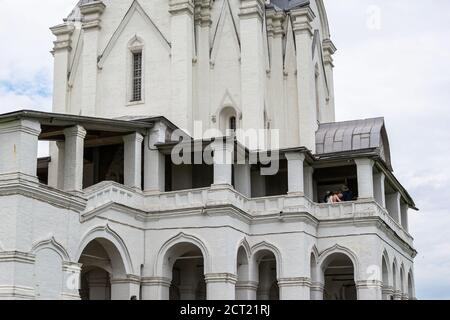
364 169
329 49
309 182
246 290
253 71
302 19
295 288
71 284
393 205
378 188
155 288
124 289
203 24
275 33
154 161
369 290
220 286
18 147
61 51
317 291
91 12
73 158
295 173
242 179
404 216
133 160
182 29
223 162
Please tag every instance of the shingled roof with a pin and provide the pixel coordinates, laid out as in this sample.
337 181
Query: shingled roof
352 136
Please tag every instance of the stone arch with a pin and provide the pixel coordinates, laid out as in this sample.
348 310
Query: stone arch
243 271
339 273
227 109
265 246
395 283
386 276
160 268
326 254
115 247
244 245
48 269
53 245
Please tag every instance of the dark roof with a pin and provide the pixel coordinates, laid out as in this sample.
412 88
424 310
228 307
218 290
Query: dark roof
287 5
354 135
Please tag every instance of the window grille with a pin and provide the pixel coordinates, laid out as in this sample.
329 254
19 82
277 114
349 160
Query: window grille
137 77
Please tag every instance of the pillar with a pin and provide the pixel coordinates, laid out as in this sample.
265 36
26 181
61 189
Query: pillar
56 166
393 205
295 173
220 286
303 31
19 147
91 12
73 158
242 179
364 169
369 290
133 160
378 188
246 290
387 292
155 288
181 26
61 51
71 281
203 24
317 291
404 215
275 34
154 161
309 182
124 289
223 162
295 288
329 49
253 71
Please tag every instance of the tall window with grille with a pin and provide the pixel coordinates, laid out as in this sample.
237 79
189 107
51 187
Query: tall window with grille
137 77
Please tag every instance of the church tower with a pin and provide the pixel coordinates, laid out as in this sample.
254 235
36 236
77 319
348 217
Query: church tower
249 64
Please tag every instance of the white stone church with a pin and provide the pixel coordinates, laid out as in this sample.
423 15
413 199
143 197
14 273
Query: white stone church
110 214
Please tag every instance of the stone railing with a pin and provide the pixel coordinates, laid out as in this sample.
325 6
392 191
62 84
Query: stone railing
216 196
111 192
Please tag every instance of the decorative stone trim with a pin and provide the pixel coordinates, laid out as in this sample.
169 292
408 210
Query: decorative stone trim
75 131
72 267
21 126
177 7
130 278
247 285
16 292
220 278
329 49
19 184
302 19
294 282
369 284
252 9
156 281
275 20
17 256
317 286
203 13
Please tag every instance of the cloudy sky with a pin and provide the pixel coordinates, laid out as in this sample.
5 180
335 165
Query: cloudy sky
393 60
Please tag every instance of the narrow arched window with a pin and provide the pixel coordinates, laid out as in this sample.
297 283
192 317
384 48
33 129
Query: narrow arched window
137 76
232 124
